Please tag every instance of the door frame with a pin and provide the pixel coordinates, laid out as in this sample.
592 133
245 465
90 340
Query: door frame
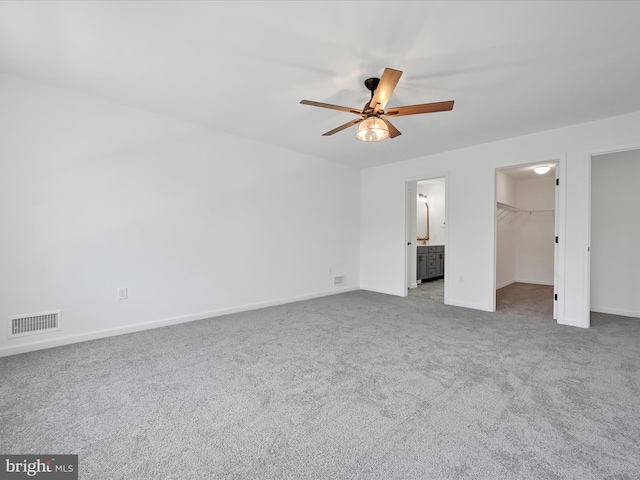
559 248
586 287
410 226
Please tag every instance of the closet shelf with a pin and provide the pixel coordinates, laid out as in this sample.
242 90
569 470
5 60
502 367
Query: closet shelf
503 210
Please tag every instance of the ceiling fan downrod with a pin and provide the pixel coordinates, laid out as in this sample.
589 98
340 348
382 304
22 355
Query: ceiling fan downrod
372 84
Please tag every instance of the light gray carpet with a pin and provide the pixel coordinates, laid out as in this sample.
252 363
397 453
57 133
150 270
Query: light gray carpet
525 298
354 386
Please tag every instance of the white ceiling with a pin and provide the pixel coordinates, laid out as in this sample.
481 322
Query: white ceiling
242 67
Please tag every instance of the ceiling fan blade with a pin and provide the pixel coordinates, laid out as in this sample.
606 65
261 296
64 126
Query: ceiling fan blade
342 127
393 131
332 107
423 108
385 88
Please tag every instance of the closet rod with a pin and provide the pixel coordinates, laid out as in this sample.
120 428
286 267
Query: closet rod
505 209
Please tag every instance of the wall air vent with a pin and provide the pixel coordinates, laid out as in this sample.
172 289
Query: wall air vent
31 324
339 280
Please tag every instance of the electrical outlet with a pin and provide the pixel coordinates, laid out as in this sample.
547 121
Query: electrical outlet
123 293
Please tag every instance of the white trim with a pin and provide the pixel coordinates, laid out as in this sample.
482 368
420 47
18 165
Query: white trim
587 308
519 280
533 282
138 327
615 311
560 160
554 158
586 278
505 284
625 147
578 324
475 306
408 240
420 178
382 290
427 176
559 275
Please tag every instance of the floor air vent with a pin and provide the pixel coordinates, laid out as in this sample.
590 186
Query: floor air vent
339 280
31 324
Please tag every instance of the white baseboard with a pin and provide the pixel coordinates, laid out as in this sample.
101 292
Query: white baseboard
381 290
474 306
573 323
505 284
533 282
138 327
615 311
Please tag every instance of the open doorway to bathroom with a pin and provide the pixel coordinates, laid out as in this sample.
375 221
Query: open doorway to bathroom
428 236
526 247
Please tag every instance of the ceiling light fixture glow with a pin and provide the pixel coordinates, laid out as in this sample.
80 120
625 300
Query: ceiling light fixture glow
541 170
372 129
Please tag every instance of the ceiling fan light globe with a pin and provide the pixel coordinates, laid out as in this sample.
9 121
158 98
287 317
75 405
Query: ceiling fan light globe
372 129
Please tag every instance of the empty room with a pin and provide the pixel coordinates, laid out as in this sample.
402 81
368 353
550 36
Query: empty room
212 219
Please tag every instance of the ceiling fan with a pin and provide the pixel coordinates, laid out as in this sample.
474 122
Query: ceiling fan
374 125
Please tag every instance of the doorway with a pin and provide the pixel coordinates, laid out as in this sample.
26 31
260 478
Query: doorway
526 239
427 238
615 234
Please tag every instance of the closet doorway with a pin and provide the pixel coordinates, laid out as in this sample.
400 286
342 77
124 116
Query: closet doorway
526 232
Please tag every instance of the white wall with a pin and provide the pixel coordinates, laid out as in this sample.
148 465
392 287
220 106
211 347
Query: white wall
505 189
95 196
535 232
615 233
525 241
469 275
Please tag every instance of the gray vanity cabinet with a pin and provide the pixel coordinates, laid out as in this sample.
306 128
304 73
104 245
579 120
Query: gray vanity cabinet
430 262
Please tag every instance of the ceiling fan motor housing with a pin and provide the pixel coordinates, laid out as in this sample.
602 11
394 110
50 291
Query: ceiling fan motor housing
372 84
